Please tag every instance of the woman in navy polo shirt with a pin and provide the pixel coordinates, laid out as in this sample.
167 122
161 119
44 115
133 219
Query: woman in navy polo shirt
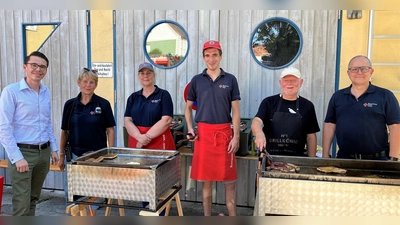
91 126
87 122
149 113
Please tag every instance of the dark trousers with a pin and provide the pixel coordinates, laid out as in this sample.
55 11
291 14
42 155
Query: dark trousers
27 186
343 155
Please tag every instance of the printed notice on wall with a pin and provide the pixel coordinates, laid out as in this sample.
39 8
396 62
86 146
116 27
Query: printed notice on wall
104 69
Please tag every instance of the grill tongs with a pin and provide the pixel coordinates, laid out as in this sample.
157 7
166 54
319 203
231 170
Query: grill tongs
264 159
192 137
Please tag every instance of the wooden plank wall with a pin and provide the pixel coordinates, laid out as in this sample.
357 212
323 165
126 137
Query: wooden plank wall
233 29
67 53
245 186
67 50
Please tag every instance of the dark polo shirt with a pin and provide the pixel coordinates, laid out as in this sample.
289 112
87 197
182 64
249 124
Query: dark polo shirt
148 111
88 127
361 124
214 98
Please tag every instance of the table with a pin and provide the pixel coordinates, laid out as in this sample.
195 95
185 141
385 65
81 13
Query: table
79 208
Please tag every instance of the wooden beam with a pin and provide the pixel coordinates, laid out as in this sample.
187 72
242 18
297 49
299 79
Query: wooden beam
4 164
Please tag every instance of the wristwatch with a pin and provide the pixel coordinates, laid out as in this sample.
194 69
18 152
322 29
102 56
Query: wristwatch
393 159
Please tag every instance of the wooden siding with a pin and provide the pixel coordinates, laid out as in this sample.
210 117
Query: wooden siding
67 51
233 29
245 187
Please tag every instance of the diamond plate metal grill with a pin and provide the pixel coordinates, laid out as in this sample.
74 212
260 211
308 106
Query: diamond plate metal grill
319 198
134 184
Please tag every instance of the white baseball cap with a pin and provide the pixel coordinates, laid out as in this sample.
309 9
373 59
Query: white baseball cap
291 71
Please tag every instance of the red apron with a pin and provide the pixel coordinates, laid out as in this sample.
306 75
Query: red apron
165 141
211 161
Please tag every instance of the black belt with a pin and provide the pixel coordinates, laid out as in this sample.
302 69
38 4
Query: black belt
40 147
369 156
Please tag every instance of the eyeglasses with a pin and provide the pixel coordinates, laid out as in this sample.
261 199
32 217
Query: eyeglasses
364 69
87 70
35 66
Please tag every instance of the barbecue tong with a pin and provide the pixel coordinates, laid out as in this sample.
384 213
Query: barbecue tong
192 137
265 153
265 157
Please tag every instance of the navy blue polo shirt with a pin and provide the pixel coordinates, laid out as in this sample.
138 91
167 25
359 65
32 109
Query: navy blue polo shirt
214 98
88 125
361 124
148 111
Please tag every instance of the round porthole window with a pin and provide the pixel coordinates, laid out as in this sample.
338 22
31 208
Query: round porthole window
276 43
166 44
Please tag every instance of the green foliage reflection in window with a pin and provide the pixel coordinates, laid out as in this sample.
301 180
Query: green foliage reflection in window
276 43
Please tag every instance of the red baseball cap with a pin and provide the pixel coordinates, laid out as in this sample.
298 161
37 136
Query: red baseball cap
212 44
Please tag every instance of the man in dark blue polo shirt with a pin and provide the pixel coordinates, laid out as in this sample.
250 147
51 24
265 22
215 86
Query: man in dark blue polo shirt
360 117
217 94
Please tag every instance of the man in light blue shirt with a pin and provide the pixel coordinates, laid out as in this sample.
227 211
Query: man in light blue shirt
26 133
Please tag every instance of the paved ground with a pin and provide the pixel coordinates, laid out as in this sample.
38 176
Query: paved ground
52 203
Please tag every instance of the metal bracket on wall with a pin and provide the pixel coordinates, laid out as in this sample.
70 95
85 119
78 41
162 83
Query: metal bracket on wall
354 14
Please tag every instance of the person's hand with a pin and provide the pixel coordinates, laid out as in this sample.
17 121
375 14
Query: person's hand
325 154
191 136
139 145
233 145
144 139
260 141
61 162
54 158
22 166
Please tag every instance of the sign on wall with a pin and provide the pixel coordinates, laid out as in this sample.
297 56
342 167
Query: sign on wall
104 69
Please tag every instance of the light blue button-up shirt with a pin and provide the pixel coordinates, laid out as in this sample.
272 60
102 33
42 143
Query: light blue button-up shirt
25 117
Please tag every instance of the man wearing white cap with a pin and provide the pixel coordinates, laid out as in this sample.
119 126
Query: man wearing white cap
286 123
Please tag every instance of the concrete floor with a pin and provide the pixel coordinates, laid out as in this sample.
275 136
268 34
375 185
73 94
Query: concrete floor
52 203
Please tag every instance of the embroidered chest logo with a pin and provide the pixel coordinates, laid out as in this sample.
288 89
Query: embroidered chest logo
370 105
223 86
155 100
97 111
292 111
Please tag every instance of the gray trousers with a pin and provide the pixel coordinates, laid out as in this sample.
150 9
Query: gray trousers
27 186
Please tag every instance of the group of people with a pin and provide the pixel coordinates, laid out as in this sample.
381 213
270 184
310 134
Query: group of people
365 119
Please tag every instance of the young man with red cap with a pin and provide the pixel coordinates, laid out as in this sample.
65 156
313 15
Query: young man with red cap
215 144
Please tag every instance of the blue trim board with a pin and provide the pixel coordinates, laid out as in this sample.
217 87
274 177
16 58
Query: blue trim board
337 70
115 71
88 40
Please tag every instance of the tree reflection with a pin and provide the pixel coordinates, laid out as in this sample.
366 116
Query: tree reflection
280 40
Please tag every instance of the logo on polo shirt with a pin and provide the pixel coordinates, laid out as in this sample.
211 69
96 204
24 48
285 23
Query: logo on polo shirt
223 86
156 100
369 104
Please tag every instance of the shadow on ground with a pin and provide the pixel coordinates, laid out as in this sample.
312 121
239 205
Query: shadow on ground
52 203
